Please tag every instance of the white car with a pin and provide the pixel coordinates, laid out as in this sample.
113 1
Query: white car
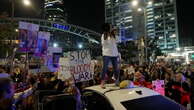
136 98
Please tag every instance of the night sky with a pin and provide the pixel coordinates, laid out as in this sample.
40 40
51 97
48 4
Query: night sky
85 13
186 19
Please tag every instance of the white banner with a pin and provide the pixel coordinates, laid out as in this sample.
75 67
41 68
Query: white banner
64 71
28 26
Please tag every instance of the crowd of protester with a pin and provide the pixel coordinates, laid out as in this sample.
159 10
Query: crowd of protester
18 92
178 83
177 78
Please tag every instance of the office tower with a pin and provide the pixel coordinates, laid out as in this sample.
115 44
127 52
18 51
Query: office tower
54 11
165 26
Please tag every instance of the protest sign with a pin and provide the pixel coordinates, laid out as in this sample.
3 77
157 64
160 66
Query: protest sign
28 34
80 65
76 66
64 71
158 86
42 44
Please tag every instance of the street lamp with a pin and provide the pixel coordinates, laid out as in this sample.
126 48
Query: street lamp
178 49
150 3
16 30
26 2
55 45
80 46
134 3
139 9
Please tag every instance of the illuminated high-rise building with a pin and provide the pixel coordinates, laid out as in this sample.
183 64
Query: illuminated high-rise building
54 11
165 24
155 19
122 15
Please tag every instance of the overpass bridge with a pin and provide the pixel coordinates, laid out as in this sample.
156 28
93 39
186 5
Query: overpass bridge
66 35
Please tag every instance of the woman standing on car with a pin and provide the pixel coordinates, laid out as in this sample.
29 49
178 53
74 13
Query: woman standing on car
109 52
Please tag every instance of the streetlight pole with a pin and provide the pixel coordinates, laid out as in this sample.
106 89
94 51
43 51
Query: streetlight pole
12 9
27 3
145 34
135 3
12 20
145 26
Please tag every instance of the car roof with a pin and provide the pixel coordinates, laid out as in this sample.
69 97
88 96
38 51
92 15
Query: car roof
130 94
115 93
114 90
98 89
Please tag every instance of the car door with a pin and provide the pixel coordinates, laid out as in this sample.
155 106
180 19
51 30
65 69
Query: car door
95 101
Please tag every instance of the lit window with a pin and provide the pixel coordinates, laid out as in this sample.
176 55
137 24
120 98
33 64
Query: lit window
150 23
161 37
128 11
158 4
150 30
149 9
173 35
150 34
128 17
172 18
169 14
130 20
129 27
157 17
150 20
150 12
150 16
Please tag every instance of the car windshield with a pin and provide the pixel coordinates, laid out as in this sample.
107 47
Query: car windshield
152 103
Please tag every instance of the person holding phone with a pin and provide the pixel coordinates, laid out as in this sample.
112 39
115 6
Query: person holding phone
110 52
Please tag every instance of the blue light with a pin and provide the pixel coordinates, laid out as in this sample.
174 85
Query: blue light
63 27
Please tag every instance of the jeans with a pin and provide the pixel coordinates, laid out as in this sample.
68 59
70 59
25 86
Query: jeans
106 60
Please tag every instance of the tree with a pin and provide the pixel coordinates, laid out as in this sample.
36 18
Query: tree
128 51
7 37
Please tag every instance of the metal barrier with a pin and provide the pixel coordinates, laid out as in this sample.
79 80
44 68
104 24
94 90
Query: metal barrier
59 102
40 94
